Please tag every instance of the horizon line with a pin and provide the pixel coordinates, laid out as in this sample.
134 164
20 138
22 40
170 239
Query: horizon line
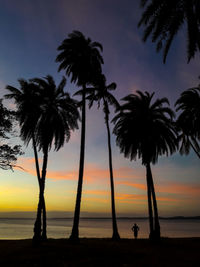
108 218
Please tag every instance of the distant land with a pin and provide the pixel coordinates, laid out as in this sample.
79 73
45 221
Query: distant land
85 216
134 218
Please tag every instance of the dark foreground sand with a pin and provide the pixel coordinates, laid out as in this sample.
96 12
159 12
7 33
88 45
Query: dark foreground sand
101 252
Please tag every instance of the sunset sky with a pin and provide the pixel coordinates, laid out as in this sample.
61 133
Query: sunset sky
31 31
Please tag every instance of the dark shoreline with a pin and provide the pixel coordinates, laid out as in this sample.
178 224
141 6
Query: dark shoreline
101 252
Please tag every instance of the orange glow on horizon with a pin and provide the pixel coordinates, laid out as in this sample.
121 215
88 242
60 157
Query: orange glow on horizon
128 191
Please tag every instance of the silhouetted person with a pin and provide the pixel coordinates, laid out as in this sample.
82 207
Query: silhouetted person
135 230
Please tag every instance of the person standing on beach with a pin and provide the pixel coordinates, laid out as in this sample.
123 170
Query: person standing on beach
135 230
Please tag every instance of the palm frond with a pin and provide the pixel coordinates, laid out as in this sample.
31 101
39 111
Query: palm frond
80 58
143 129
188 121
163 19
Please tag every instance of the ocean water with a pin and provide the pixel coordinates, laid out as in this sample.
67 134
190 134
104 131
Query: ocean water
61 228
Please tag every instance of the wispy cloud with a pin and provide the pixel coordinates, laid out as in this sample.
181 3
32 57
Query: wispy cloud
169 188
123 198
93 173
180 188
135 185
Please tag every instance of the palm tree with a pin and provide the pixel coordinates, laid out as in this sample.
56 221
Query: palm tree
188 121
101 92
162 19
80 58
28 101
59 116
146 130
46 114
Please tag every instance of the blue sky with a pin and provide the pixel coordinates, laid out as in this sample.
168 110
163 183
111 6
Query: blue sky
30 32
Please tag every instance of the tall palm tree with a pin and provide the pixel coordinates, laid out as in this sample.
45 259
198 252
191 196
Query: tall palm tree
145 130
80 58
28 102
47 117
101 92
162 19
188 121
58 117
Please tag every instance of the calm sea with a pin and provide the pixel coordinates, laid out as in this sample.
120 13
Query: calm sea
61 228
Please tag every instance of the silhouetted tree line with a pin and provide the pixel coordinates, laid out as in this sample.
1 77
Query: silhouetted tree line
144 129
8 153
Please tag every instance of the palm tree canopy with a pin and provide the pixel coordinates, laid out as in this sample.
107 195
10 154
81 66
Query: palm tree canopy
188 121
189 105
44 111
59 113
101 92
80 57
27 100
162 19
145 129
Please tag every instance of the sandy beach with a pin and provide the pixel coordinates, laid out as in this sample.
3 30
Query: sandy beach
101 252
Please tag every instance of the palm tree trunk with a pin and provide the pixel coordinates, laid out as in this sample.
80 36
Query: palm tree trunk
37 225
156 219
44 170
149 204
36 160
114 221
75 229
41 204
44 220
44 235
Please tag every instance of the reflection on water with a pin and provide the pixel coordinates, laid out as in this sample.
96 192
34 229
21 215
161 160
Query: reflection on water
61 228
